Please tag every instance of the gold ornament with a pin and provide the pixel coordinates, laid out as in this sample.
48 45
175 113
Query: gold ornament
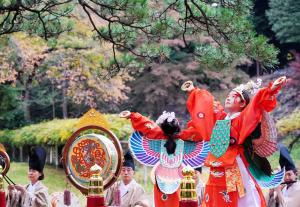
96 181
188 185
92 117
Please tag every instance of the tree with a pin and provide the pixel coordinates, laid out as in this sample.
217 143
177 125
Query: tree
264 27
72 67
22 56
138 26
11 114
283 15
78 74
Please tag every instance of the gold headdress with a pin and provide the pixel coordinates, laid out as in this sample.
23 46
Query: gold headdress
251 88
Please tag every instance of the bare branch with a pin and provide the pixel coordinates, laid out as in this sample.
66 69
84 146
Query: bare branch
10 30
168 7
185 23
84 6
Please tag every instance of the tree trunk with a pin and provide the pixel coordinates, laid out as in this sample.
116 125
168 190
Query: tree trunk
257 68
65 101
53 102
56 156
294 141
14 153
21 154
27 105
51 155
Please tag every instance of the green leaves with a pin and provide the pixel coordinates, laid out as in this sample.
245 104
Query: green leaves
284 16
138 26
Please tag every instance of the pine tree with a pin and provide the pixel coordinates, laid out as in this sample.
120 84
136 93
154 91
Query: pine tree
284 17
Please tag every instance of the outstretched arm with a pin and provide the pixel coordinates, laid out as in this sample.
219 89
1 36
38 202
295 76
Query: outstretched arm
264 100
144 125
200 104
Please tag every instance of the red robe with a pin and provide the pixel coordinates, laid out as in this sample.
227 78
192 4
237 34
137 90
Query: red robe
205 112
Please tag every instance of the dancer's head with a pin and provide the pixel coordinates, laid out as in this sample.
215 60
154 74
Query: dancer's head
170 126
236 102
240 96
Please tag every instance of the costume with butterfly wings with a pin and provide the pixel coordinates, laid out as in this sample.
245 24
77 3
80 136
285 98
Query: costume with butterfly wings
147 146
238 165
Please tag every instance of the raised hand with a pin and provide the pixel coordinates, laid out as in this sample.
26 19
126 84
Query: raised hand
124 114
187 86
278 82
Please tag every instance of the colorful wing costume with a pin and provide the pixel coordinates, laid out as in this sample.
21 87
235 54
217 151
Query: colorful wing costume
265 181
167 167
145 150
266 146
268 139
195 153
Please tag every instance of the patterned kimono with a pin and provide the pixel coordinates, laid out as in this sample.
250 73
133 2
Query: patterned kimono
37 198
132 195
291 197
230 183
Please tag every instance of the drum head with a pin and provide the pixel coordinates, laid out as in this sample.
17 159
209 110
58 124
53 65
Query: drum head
88 146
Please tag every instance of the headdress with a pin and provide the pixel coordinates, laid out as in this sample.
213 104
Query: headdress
128 160
37 159
169 116
251 88
285 160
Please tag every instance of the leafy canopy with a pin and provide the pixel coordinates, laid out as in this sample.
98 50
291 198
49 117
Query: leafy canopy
139 26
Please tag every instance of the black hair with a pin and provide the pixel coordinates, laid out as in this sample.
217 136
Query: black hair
42 176
170 129
199 169
246 97
296 172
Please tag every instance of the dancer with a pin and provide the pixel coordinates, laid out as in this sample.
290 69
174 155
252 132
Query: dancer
230 131
159 144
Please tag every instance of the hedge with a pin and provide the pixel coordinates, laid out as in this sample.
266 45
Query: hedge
58 131
289 124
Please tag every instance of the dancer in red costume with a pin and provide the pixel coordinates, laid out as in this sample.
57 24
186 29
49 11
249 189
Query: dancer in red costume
159 144
230 183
